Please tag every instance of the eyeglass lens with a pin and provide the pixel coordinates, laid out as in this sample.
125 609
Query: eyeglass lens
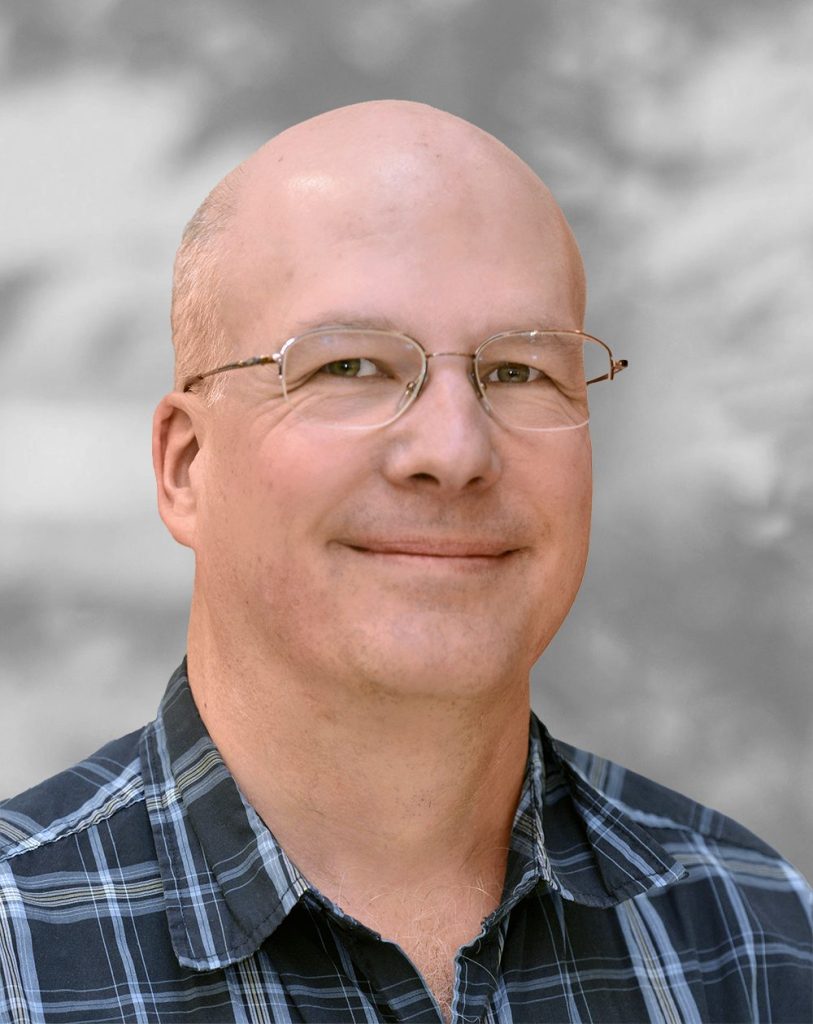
366 378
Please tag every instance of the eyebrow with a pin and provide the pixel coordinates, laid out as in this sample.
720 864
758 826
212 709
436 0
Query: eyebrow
384 323
345 319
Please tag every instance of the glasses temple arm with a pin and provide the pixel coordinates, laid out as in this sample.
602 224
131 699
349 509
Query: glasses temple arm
617 365
241 364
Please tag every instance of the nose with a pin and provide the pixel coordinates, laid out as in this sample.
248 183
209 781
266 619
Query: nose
445 440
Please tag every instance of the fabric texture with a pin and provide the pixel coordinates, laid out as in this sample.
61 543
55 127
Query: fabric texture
141 886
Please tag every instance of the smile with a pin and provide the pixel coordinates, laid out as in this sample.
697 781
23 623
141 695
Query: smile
435 555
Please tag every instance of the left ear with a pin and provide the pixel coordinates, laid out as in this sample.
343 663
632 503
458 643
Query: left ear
176 442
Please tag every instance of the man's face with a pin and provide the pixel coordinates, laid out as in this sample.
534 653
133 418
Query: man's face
439 554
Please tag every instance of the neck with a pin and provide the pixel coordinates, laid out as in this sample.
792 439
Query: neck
370 792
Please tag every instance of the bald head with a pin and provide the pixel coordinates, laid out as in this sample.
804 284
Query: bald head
390 170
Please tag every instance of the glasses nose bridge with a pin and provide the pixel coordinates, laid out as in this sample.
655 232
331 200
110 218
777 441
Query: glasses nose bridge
415 388
471 356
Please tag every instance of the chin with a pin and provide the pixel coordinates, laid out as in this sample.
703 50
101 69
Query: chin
422 657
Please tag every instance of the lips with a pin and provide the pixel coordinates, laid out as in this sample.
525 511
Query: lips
441 548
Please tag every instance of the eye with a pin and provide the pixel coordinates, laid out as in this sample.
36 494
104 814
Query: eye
351 368
513 373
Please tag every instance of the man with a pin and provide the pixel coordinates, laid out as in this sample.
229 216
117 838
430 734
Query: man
377 448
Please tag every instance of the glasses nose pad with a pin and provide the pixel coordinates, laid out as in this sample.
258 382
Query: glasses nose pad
479 390
409 394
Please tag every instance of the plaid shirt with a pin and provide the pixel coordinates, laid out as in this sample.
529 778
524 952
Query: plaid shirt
140 886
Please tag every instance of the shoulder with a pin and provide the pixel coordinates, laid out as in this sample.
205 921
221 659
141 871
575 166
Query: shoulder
79 879
713 847
736 929
657 807
654 805
94 791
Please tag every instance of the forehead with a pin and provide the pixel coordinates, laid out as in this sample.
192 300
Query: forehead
390 230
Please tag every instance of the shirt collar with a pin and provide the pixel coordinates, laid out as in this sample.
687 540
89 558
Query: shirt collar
228 884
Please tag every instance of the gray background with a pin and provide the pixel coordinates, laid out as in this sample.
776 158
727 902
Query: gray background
677 137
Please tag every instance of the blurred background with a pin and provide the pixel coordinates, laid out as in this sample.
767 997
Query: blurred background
678 139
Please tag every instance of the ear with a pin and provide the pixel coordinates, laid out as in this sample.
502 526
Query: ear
175 445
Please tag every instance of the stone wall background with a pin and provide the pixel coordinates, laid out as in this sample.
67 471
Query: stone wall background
677 137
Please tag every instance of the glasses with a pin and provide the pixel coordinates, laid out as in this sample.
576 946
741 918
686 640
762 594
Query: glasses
360 378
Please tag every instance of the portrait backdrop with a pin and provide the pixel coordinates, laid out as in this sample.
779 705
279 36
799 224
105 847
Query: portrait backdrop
677 139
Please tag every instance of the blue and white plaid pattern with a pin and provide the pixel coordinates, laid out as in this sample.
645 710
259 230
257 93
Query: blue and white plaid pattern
140 886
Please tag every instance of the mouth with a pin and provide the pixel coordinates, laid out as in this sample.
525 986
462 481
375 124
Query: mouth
450 553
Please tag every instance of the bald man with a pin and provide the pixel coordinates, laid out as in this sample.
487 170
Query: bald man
378 449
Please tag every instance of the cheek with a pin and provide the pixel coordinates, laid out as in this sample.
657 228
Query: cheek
572 479
563 496
297 482
560 488
274 493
